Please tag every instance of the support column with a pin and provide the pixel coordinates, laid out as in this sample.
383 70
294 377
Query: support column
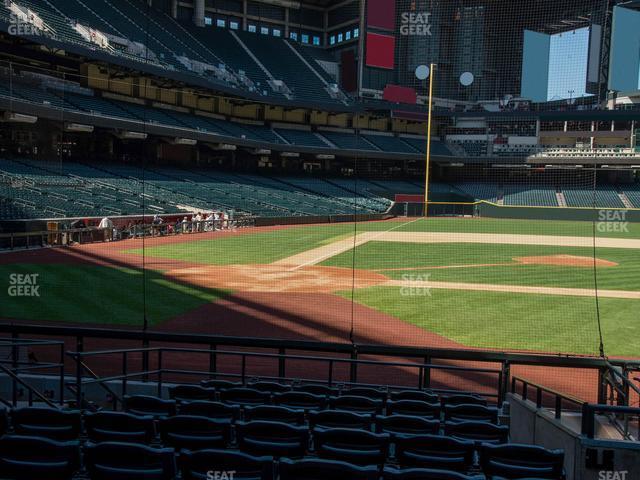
198 13
174 9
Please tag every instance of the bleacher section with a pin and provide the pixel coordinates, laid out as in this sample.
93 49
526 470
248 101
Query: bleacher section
36 189
633 194
26 89
208 53
602 197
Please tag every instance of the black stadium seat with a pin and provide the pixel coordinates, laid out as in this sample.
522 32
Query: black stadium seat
197 465
129 461
351 445
521 461
319 469
339 419
194 433
119 427
468 412
420 395
434 451
272 438
303 400
274 413
272 387
482 432
210 410
187 393
356 404
425 474
220 384
317 389
414 408
368 392
46 422
37 458
245 396
407 424
463 399
148 405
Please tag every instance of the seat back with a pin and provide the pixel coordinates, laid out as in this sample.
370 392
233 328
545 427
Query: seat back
193 432
321 469
317 389
148 405
38 458
339 419
470 412
191 392
120 461
272 438
356 404
415 408
119 427
521 461
483 432
407 424
46 422
390 473
434 451
304 400
274 413
210 410
220 384
272 387
368 392
360 447
195 465
245 396
420 395
463 399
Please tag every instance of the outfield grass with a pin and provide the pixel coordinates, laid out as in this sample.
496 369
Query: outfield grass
392 255
104 295
513 321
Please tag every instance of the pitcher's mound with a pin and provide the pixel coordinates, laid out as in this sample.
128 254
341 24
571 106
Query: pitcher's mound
276 278
565 260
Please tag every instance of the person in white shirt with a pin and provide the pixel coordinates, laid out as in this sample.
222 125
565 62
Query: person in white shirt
185 225
107 226
209 225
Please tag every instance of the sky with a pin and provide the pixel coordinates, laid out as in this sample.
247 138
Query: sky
568 61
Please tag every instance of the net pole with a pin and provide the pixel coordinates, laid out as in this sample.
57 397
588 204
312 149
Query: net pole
428 160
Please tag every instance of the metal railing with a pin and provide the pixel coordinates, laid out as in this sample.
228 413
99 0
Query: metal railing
13 366
215 345
424 371
522 386
619 415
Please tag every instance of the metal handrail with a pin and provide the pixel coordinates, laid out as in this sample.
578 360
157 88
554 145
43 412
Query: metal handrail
589 413
424 369
32 391
559 398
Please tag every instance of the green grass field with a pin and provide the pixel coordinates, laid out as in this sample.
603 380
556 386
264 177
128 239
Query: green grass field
103 295
479 319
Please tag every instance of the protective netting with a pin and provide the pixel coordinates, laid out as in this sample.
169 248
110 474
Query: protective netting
522 247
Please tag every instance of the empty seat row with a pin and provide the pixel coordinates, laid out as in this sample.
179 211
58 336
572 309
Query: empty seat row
25 457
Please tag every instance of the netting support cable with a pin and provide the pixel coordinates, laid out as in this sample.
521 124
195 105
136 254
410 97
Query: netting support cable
595 264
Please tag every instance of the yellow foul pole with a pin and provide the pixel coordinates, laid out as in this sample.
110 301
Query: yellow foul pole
428 162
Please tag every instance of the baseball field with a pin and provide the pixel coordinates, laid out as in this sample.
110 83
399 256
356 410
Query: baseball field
459 283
